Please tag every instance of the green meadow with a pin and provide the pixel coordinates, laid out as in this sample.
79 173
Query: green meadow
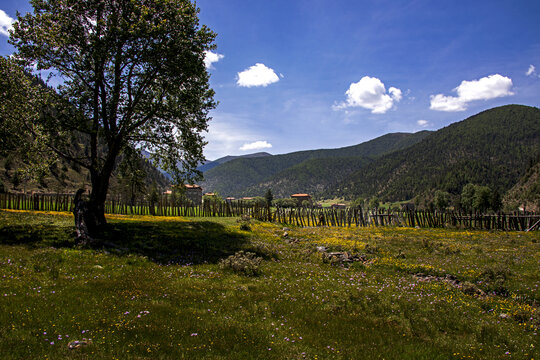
171 288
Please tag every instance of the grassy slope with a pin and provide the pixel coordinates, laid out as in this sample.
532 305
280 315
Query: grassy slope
135 301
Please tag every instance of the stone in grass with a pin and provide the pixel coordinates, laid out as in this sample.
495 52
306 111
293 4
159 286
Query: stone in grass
341 257
76 344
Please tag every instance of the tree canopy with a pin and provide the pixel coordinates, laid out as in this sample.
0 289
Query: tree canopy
132 75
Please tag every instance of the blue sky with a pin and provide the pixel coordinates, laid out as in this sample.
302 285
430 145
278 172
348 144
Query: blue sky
295 75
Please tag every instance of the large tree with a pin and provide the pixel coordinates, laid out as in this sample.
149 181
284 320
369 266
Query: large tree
131 73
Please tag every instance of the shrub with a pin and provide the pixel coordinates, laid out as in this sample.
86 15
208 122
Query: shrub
245 222
495 278
245 227
246 263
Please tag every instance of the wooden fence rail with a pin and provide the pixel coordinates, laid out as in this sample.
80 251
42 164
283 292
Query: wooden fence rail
518 221
167 206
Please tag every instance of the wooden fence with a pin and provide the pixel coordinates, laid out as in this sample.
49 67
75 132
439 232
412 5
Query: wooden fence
424 219
167 206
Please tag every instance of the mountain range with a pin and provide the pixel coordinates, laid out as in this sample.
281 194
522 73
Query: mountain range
493 148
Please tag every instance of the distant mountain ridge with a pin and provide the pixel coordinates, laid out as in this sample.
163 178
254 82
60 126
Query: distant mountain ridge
247 176
213 163
492 148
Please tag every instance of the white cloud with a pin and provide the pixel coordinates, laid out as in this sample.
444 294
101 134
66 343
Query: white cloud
489 87
5 23
531 71
257 75
257 145
440 102
395 93
210 58
227 132
422 123
371 94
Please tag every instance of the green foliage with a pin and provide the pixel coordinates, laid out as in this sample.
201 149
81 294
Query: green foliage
479 198
133 75
212 199
467 196
441 199
358 202
268 197
286 203
374 203
131 175
23 100
245 263
482 198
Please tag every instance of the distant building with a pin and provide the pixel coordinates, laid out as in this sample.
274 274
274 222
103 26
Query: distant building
338 206
230 199
300 198
194 194
408 207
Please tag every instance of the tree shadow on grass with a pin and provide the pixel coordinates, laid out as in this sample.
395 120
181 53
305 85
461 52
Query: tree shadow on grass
162 242
174 242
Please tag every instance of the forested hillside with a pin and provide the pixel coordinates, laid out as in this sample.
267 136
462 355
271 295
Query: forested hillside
63 177
526 192
236 176
492 148
311 176
212 164
28 164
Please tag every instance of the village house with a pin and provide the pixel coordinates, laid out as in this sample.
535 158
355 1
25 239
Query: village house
300 198
194 194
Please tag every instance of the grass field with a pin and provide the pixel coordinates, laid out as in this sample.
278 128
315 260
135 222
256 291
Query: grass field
159 288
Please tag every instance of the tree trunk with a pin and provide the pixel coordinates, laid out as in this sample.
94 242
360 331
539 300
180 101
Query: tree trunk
90 216
100 187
